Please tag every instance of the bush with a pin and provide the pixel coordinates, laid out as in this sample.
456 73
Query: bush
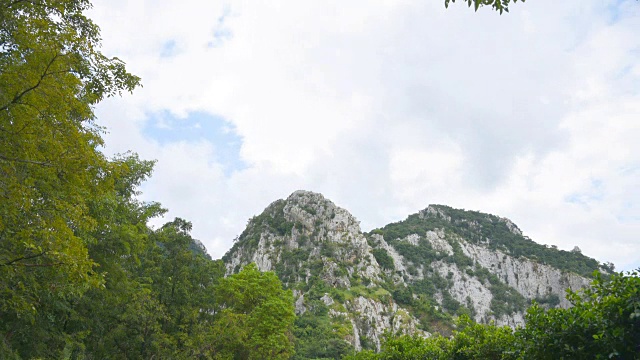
604 323
384 259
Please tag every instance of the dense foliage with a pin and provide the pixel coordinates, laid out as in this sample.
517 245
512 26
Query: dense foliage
82 276
470 341
383 259
318 335
51 172
604 323
255 317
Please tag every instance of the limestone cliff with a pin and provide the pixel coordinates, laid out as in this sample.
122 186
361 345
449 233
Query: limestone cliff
317 248
414 276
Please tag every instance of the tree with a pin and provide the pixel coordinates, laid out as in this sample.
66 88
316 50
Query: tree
185 282
604 323
256 317
85 321
470 341
497 5
51 76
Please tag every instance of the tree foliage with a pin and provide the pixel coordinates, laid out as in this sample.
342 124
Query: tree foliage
256 317
604 323
51 75
470 341
384 259
497 5
82 276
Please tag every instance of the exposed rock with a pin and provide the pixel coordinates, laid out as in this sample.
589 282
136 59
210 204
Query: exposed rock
512 227
356 336
467 290
435 212
413 239
439 242
327 299
299 304
529 278
375 318
307 239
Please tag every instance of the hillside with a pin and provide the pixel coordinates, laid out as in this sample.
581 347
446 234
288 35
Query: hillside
413 276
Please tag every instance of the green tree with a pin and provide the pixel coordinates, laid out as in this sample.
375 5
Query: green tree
408 347
256 317
470 341
604 323
474 341
51 76
384 259
497 5
83 322
185 281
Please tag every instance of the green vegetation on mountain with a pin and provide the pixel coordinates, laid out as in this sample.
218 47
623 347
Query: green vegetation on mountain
383 258
505 299
319 335
488 230
82 275
272 219
604 323
320 261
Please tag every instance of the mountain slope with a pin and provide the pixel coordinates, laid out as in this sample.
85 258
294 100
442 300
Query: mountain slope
412 276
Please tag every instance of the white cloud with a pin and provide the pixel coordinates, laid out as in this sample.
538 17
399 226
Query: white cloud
387 106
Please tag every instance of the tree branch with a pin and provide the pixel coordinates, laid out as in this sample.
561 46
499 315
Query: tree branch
15 2
23 93
23 258
39 265
41 163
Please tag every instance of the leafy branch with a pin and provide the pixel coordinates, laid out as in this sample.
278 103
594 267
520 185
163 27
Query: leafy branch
33 87
41 163
28 257
15 262
497 5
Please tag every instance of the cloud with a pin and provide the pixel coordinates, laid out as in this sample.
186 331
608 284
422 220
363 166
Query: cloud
385 107
196 127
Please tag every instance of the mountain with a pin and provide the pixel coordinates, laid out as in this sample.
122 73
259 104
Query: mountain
413 276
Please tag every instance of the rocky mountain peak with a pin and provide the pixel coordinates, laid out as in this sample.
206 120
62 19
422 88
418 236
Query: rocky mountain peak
310 209
471 218
303 228
434 211
412 276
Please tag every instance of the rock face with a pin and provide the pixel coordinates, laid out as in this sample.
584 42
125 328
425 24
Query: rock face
307 239
413 276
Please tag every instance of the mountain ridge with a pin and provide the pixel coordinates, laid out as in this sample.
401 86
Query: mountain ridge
413 276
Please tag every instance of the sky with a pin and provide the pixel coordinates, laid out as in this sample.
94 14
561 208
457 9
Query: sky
385 107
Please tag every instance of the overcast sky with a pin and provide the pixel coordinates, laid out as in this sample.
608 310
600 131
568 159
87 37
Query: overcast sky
386 107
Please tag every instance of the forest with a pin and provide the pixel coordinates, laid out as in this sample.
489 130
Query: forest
83 275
